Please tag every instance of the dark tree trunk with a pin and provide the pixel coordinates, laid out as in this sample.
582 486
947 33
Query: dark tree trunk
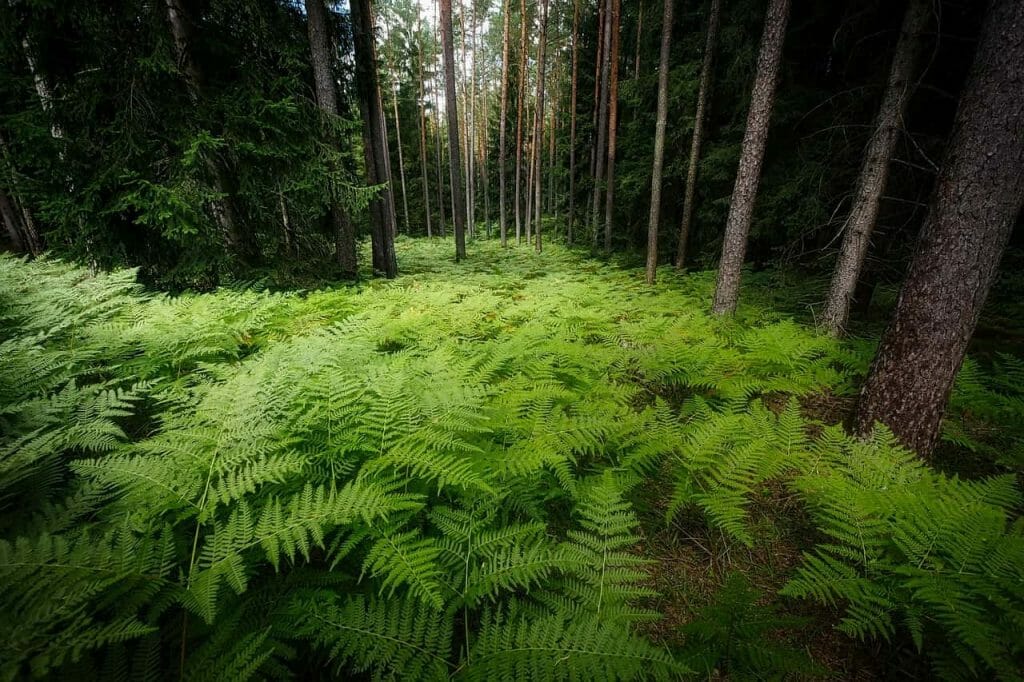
12 223
320 50
703 94
977 199
748 177
538 133
224 211
502 150
382 214
520 102
659 143
613 124
600 153
875 172
572 121
453 128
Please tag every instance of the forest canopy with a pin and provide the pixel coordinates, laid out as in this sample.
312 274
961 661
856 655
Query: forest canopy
507 340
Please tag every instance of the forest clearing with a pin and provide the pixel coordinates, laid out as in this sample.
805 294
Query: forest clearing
504 340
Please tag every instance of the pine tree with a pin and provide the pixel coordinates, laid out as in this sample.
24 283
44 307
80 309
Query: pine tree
451 106
659 142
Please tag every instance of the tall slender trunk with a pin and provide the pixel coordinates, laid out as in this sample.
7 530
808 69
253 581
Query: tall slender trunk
613 122
659 142
484 159
471 142
223 209
530 148
639 40
602 119
978 196
451 106
401 161
520 101
502 124
320 52
703 94
437 129
875 172
572 121
598 59
748 177
382 214
552 130
423 131
538 135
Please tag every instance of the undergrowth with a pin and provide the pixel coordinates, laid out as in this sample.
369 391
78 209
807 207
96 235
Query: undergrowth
432 478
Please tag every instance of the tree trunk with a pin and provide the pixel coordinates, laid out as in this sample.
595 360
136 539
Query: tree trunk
602 118
503 116
520 101
538 134
613 123
552 129
572 121
223 209
698 132
659 142
423 132
453 128
875 171
382 216
12 222
744 193
401 161
595 114
30 238
327 100
639 38
440 142
978 196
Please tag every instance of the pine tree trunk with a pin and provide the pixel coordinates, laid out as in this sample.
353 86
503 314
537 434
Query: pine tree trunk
12 222
875 171
320 52
30 237
439 139
748 177
552 203
538 134
698 132
600 152
382 214
530 149
520 102
401 161
659 142
595 113
223 209
639 40
613 124
453 129
503 122
424 162
978 196
572 121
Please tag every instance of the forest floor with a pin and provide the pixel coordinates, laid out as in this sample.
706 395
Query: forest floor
529 375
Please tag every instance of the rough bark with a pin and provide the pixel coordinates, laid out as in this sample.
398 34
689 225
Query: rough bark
502 124
30 237
401 160
520 101
602 119
659 142
744 193
978 196
595 112
382 217
12 223
639 40
703 94
451 106
538 134
570 224
320 52
423 134
875 170
613 123
438 137
223 209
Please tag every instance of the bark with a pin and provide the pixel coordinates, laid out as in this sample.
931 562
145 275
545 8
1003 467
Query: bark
613 123
520 101
12 223
639 36
423 134
327 100
602 119
978 196
659 142
382 217
502 124
572 121
744 193
538 134
451 106
552 129
223 208
401 161
703 94
439 140
875 172
30 237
